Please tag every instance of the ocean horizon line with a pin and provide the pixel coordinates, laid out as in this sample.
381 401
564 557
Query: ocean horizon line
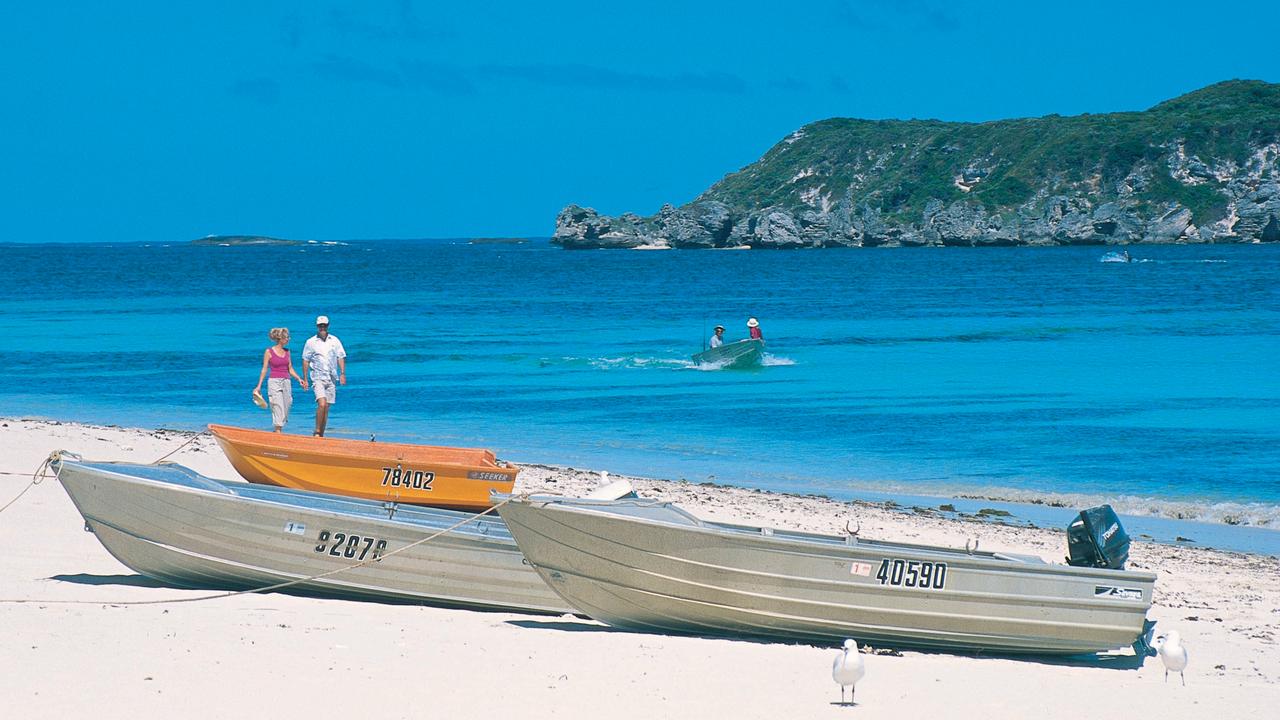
191 242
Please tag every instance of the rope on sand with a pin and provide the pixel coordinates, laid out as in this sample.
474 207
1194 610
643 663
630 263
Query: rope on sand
36 477
42 472
174 451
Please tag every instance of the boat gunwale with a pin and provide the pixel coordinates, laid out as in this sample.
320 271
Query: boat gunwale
388 516
261 445
834 542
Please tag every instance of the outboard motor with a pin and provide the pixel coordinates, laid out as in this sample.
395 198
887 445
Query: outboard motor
1096 539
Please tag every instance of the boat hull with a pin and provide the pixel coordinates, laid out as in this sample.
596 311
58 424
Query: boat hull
652 568
744 353
178 527
459 478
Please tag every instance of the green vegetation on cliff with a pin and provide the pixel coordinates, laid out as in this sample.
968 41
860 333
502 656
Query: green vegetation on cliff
899 166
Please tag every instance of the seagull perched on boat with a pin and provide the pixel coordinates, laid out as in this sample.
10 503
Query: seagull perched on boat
1173 655
848 669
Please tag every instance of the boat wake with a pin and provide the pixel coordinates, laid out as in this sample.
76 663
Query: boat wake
636 363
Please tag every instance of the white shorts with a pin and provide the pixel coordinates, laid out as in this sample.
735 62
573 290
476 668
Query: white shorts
325 389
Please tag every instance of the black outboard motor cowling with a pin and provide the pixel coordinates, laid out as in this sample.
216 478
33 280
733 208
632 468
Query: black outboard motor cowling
1096 539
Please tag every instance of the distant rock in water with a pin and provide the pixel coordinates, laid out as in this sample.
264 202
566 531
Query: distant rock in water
498 241
244 240
1204 167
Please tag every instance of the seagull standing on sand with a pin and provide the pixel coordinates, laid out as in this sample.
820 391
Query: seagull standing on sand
848 669
1173 655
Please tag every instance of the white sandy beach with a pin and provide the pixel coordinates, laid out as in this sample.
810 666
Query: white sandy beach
254 656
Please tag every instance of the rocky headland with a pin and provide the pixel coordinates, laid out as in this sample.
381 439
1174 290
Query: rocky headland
1201 168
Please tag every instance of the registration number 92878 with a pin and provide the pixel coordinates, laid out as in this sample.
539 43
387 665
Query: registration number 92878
913 573
352 547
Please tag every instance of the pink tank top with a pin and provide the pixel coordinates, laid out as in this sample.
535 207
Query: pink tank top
279 364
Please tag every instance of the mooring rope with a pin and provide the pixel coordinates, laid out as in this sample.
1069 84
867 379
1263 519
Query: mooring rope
174 451
40 474
37 477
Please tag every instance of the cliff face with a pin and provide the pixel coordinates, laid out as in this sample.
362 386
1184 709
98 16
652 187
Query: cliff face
1204 167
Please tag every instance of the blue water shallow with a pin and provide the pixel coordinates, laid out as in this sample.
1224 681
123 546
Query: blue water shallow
1025 374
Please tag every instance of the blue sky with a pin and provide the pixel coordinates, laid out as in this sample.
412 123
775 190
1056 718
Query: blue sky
161 122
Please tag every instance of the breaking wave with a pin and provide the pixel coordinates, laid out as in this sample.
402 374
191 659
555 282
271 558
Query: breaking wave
1263 515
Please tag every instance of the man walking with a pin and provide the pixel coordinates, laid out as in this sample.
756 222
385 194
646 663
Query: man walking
325 358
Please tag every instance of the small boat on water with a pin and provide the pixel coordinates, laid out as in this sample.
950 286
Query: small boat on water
651 566
174 525
459 478
744 353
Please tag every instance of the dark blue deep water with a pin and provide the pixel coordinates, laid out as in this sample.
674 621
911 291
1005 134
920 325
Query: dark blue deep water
1020 373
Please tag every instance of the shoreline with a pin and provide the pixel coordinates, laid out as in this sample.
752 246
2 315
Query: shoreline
1049 511
1225 604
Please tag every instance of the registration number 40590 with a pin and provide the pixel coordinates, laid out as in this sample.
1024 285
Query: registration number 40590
913 573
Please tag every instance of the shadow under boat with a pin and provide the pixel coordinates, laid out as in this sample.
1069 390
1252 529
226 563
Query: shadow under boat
1134 659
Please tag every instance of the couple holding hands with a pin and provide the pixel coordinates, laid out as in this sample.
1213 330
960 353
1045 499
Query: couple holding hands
323 357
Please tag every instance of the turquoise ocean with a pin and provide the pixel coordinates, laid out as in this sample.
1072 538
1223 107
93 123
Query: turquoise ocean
1034 377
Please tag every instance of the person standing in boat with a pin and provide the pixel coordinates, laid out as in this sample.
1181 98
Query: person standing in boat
753 328
718 338
277 361
326 360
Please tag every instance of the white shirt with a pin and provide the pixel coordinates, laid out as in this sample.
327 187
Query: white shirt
716 341
323 356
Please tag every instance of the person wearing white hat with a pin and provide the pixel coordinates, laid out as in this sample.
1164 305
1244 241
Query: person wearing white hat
326 360
753 327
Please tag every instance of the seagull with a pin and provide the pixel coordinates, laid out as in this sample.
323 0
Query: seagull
1173 655
848 669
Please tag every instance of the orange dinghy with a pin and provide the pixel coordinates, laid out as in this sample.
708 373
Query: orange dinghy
449 477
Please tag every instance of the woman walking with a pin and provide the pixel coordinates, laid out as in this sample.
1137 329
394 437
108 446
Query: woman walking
277 362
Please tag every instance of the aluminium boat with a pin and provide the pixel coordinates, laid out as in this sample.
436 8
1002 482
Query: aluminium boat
651 566
459 478
172 524
744 353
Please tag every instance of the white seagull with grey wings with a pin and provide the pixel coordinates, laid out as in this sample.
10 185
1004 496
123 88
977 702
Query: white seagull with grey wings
848 669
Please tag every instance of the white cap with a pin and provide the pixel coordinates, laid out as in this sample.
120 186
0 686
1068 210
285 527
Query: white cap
322 320
751 322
